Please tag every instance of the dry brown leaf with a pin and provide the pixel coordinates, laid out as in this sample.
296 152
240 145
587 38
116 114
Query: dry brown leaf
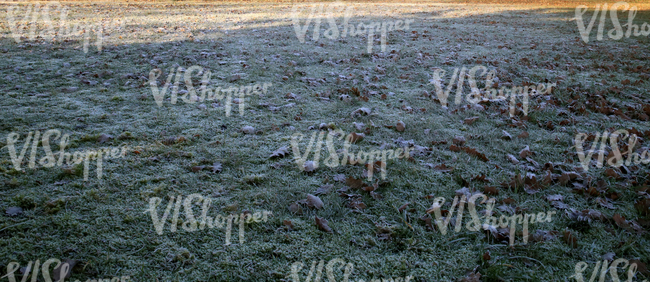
400 126
280 153
641 267
621 222
523 135
314 202
475 153
605 203
295 208
322 224
525 152
470 121
356 204
288 224
508 201
197 168
427 222
443 168
486 256
403 207
369 188
491 190
643 206
375 195
354 137
459 140
570 239
610 172
354 183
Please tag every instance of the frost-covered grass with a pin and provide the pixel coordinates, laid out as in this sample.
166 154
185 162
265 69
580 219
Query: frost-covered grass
102 222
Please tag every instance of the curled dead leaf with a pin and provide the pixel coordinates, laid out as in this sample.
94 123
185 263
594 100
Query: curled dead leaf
354 137
314 202
491 190
288 224
354 183
321 223
459 140
525 152
401 126
280 153
295 208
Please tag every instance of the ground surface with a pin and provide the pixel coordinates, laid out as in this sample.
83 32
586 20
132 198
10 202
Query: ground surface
102 224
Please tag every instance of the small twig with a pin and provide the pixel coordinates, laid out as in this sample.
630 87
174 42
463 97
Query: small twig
13 225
